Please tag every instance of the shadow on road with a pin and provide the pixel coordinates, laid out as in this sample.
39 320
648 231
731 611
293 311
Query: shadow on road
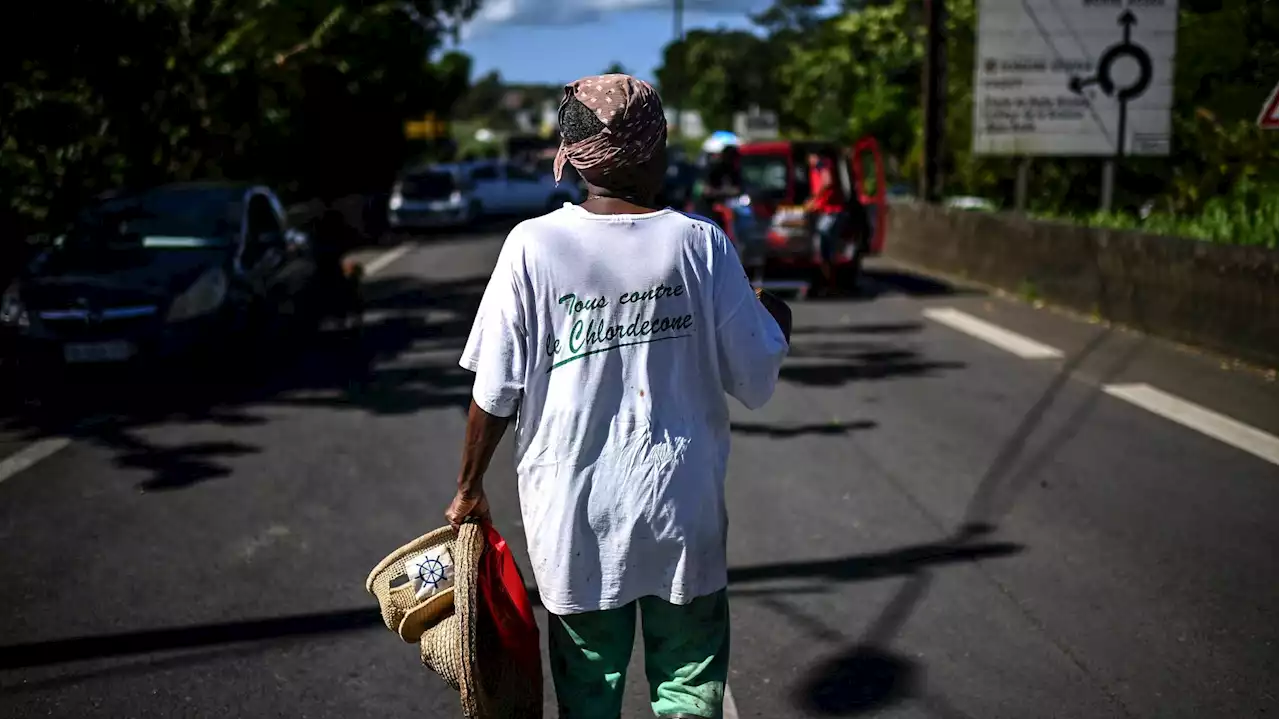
863 567
59 651
403 360
883 328
866 675
836 365
878 280
778 432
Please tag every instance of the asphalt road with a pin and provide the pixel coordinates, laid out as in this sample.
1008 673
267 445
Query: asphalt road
923 523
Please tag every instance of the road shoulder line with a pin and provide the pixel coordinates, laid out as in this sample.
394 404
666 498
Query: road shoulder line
1205 421
1011 342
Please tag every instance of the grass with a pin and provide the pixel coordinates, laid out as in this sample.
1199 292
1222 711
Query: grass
1246 216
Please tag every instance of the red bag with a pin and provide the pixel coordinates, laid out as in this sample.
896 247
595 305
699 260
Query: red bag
504 598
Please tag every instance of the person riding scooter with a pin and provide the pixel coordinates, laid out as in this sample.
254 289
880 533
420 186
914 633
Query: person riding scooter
721 182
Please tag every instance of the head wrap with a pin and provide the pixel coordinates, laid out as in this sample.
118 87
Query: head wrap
635 127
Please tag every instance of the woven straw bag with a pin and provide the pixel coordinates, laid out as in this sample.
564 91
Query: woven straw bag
454 638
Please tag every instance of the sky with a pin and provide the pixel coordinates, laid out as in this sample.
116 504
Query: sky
556 41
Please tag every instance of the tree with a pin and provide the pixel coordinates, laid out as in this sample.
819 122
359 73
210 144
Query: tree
615 68
719 73
102 95
858 74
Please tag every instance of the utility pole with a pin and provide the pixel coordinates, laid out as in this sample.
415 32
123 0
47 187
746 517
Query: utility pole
934 88
678 32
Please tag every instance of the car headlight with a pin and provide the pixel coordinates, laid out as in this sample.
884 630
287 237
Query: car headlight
203 297
455 198
11 310
395 202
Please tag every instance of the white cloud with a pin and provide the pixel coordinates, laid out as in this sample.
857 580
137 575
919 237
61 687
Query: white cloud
572 12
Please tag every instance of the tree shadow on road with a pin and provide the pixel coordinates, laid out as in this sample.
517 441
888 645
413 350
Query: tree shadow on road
781 432
882 279
829 367
865 676
873 328
149 641
402 361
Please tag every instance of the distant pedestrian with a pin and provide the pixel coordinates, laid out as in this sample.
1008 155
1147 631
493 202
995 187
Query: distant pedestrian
612 331
826 209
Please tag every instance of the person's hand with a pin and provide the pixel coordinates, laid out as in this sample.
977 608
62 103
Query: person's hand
466 506
778 309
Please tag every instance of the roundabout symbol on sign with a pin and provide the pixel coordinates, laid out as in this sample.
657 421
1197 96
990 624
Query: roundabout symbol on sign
1126 48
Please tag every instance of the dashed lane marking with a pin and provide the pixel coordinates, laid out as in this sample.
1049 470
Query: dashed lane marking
42 449
1205 421
31 454
380 262
1013 342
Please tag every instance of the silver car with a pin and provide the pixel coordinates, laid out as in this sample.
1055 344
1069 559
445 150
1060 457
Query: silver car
457 194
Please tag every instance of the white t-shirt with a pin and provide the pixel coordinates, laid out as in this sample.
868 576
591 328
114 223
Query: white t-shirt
617 338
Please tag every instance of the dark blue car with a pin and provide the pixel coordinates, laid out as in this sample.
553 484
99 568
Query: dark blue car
167 271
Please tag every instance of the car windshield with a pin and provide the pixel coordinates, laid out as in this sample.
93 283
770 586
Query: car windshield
765 176
162 219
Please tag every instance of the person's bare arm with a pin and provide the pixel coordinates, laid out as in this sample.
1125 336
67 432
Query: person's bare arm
484 431
778 309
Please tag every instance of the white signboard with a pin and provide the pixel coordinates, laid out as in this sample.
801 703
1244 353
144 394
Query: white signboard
756 125
1074 77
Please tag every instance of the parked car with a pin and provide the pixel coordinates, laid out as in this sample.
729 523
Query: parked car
160 273
456 194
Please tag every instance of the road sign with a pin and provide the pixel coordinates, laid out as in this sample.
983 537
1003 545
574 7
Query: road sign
1267 120
756 124
428 128
1074 77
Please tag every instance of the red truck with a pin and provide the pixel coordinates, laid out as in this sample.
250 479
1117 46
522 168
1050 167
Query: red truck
775 179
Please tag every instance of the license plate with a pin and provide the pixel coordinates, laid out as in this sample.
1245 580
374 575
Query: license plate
98 351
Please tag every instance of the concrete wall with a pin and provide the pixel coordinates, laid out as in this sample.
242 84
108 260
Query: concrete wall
1217 297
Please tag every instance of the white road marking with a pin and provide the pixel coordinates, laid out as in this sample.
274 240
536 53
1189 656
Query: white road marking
1204 421
29 455
380 262
1023 347
730 709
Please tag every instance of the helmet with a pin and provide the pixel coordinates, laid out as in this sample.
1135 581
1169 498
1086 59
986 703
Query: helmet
715 144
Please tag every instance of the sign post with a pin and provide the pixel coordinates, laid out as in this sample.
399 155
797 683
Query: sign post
428 128
1075 78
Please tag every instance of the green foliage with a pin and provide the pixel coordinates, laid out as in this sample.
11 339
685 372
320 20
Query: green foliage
1248 215
719 73
858 72
99 95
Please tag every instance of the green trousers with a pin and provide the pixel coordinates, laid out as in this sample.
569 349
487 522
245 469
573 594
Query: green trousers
686 657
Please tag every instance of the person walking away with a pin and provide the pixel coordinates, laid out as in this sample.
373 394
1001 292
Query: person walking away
826 210
612 331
